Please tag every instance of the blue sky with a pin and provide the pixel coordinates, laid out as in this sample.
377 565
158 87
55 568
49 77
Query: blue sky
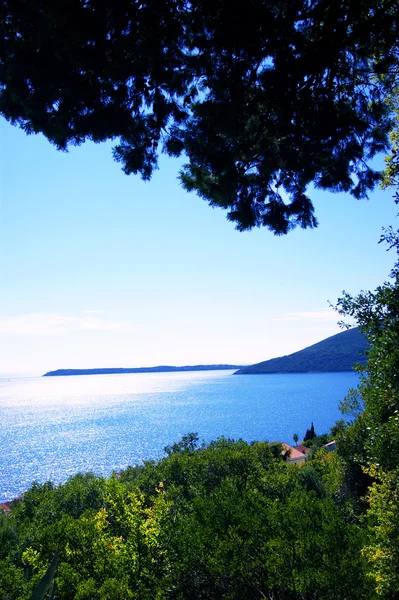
99 269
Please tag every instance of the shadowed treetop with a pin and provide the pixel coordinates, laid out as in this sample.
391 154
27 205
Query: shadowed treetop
262 100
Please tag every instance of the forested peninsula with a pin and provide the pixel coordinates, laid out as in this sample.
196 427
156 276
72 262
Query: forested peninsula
339 352
158 369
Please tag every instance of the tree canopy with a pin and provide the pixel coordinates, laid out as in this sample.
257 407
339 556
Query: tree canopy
369 446
224 522
263 100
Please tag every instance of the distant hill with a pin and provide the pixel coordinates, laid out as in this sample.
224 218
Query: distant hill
159 369
337 353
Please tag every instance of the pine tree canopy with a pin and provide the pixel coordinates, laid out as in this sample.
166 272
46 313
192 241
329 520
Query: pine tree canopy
264 98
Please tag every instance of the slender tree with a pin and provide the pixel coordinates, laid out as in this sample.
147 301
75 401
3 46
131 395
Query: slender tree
310 433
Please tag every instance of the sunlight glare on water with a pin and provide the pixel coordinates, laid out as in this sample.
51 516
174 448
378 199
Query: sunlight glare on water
53 427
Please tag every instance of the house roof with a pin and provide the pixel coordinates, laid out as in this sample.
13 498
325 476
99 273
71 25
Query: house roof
330 445
302 449
5 506
294 452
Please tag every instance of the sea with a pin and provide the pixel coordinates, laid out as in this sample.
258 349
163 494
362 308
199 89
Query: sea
54 427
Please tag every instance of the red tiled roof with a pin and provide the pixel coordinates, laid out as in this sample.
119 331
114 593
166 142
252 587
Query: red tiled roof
294 453
302 449
5 506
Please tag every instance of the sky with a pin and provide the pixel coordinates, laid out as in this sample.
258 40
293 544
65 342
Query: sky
99 269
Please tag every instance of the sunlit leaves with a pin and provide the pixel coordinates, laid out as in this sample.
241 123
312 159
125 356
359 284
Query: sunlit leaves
382 549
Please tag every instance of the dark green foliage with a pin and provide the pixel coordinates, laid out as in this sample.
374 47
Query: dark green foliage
263 100
260 541
228 521
339 352
377 314
372 438
351 449
187 443
315 442
11 580
338 427
46 582
310 434
368 447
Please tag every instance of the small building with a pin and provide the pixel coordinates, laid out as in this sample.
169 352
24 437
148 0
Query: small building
302 449
5 507
331 446
295 456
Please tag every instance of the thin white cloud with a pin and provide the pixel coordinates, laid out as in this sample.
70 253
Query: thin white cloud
96 323
94 312
314 315
51 324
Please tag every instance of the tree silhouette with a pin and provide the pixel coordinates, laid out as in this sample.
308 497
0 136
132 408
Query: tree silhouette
263 106
310 433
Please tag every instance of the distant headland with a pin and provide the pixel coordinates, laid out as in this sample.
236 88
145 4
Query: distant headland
339 352
159 369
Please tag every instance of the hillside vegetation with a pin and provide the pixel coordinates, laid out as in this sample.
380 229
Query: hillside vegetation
339 352
228 521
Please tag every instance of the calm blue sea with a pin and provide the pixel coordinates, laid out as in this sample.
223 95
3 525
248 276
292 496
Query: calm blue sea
54 427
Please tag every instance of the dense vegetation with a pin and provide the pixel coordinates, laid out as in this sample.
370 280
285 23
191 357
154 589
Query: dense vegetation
339 352
262 100
228 521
